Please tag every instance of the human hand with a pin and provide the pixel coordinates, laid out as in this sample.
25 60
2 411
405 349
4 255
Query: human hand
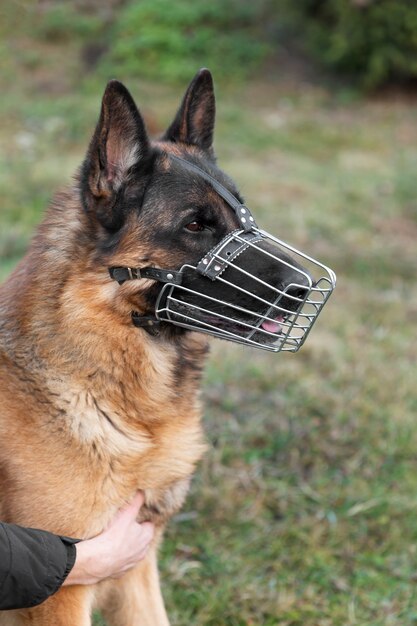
115 551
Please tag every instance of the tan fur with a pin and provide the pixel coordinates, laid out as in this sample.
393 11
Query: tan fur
90 412
93 409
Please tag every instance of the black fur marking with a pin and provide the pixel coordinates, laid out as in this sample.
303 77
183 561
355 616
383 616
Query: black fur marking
108 418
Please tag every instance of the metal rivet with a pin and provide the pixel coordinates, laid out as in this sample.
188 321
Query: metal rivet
243 219
243 210
251 219
217 268
205 261
170 276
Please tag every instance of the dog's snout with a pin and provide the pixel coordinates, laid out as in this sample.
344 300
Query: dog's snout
296 294
296 280
296 291
296 287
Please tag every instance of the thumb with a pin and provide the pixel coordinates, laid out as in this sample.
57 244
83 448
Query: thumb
130 512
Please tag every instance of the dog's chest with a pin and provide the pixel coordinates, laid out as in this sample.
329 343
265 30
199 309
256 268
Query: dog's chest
125 455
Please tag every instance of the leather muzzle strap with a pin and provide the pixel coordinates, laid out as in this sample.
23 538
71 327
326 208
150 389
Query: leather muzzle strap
212 264
132 273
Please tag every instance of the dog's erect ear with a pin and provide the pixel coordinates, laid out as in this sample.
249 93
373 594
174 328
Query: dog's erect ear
194 122
119 144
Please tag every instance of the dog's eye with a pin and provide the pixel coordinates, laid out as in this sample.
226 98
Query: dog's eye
195 227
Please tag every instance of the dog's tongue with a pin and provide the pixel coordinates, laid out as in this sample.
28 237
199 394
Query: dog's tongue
273 327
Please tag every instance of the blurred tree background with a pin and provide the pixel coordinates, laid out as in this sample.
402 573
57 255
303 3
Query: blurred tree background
369 42
302 512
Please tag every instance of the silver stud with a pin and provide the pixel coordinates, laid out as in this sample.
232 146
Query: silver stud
170 276
205 261
251 219
243 210
217 268
243 219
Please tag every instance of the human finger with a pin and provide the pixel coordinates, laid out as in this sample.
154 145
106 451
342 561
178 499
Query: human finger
130 511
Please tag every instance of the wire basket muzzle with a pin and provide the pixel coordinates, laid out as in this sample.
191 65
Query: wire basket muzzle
267 295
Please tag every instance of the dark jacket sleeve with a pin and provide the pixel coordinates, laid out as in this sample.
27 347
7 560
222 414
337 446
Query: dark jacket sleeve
33 565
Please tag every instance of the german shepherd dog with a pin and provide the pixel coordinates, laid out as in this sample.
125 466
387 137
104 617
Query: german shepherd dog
93 409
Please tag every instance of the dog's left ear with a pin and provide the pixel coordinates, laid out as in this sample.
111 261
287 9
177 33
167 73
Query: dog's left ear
119 146
194 122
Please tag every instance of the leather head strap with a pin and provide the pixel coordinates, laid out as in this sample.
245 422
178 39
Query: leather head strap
245 217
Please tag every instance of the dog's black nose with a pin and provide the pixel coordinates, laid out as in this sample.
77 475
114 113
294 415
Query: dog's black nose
296 276
296 288
297 292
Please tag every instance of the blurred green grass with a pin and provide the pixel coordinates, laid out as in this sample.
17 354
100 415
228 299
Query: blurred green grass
303 511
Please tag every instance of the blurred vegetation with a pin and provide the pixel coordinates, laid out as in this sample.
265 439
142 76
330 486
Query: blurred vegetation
371 42
302 511
170 38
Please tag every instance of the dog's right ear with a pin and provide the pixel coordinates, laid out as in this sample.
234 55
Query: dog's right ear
119 145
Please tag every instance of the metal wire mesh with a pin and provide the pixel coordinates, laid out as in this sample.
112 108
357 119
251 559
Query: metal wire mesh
252 310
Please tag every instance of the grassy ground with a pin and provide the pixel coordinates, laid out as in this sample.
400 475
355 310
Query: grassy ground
304 510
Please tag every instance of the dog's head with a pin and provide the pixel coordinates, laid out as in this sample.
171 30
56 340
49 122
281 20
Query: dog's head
148 210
